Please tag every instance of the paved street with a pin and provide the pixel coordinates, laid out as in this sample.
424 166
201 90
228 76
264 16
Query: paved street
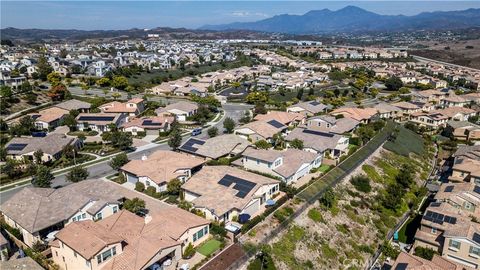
102 169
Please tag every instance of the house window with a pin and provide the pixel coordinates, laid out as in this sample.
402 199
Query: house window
434 230
74 219
278 162
106 255
454 244
75 254
84 216
147 183
474 251
115 209
87 263
468 205
98 216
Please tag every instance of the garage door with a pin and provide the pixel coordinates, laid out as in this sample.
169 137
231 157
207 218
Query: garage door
152 132
252 209
132 179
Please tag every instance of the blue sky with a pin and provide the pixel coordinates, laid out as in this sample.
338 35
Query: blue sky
90 15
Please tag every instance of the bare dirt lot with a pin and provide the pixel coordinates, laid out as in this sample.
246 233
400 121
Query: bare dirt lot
463 52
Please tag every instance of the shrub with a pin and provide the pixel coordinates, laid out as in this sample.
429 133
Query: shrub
262 144
139 186
426 253
188 252
315 215
218 229
361 183
150 191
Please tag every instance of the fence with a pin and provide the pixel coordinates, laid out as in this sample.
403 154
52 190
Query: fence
314 191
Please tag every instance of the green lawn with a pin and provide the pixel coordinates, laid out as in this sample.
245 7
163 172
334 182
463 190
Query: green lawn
406 234
324 168
209 247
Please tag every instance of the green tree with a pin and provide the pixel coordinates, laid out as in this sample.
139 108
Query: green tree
174 187
58 92
328 198
188 252
6 92
134 205
38 156
229 125
31 98
43 178
256 97
361 183
296 143
54 78
10 168
393 83
103 82
44 68
70 122
175 139
77 174
121 140
212 132
118 161
262 144
120 82
3 153
423 252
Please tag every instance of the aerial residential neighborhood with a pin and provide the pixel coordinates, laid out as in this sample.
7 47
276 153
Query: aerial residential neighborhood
268 144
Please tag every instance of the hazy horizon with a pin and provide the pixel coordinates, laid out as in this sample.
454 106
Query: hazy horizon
116 15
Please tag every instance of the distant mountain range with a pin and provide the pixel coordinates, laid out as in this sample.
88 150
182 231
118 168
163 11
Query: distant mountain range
41 35
353 19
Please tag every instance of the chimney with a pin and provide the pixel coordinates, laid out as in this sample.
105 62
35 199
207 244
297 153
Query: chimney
148 218
144 157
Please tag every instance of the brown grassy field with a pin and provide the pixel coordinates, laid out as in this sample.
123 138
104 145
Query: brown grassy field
455 52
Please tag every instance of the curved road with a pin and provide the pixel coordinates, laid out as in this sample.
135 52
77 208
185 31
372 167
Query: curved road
102 169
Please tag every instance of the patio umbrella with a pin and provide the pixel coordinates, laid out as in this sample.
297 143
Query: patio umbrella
270 202
243 218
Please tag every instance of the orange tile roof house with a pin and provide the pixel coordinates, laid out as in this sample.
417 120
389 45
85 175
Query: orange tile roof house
150 125
308 108
361 115
38 211
51 145
260 130
49 118
466 165
286 118
160 168
125 241
330 124
223 192
180 110
407 261
328 144
288 165
132 107
99 122
216 147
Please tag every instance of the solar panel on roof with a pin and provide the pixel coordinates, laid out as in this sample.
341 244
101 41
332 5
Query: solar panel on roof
16 146
188 145
315 103
435 204
476 189
318 133
151 123
439 218
96 118
275 123
476 238
449 188
243 186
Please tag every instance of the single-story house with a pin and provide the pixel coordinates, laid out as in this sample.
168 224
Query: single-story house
73 104
260 130
149 125
216 147
330 145
308 108
289 165
49 118
180 110
160 168
223 193
99 122
51 145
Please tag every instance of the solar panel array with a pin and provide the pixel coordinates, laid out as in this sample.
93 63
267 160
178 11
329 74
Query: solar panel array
149 122
435 204
449 188
275 123
188 145
439 218
96 118
318 133
476 189
243 186
315 103
16 146
476 238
